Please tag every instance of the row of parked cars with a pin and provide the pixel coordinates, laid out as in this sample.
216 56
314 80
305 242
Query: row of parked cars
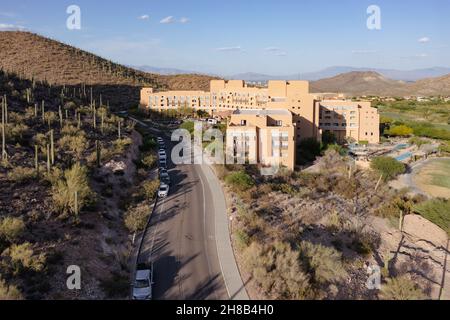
163 174
142 287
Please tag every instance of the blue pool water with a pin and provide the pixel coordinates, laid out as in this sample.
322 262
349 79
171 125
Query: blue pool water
401 146
404 156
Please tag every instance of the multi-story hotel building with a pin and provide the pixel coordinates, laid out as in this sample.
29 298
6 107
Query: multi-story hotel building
310 115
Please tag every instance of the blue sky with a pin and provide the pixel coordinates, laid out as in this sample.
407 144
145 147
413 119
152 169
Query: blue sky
234 36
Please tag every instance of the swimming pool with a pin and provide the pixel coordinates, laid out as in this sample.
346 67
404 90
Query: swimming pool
404 156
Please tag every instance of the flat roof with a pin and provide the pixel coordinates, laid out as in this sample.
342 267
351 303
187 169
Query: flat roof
261 112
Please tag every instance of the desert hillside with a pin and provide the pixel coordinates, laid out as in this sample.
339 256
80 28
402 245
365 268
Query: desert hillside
31 56
373 83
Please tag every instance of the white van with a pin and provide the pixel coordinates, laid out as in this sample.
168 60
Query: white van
212 121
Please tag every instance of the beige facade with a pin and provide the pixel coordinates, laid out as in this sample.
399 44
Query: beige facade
262 136
310 114
349 119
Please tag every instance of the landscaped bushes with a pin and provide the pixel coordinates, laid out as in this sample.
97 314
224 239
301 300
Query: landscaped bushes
388 167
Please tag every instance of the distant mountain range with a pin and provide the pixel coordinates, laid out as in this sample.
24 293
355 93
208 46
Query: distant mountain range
408 75
373 83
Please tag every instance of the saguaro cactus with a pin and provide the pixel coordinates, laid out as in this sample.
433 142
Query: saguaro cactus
60 117
119 129
43 111
48 158
52 147
35 110
5 102
36 160
94 120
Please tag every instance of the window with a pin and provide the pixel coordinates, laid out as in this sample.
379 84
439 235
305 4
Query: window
279 123
243 122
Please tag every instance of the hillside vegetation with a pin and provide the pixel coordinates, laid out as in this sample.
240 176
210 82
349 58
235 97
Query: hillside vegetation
61 201
35 57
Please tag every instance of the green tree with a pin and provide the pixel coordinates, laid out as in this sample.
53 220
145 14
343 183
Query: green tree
388 167
400 131
239 181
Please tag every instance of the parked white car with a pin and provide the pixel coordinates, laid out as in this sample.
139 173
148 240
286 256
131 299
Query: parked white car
162 155
163 191
142 287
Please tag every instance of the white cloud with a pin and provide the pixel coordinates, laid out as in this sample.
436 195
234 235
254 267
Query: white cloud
230 49
8 14
9 27
364 51
424 40
275 51
169 19
184 20
272 49
144 17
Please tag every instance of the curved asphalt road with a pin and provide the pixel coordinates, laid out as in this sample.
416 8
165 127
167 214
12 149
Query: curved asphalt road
180 241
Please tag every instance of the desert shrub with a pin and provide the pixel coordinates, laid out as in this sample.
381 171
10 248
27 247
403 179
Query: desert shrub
400 131
149 189
338 148
11 228
136 217
401 288
120 145
117 286
242 239
71 130
15 132
74 180
239 181
323 263
276 269
75 144
21 174
388 167
417 141
22 257
149 161
436 211
9 292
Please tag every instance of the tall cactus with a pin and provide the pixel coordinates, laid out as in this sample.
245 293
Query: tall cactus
79 120
35 110
52 147
5 102
102 123
48 158
94 120
36 160
60 117
119 129
43 111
